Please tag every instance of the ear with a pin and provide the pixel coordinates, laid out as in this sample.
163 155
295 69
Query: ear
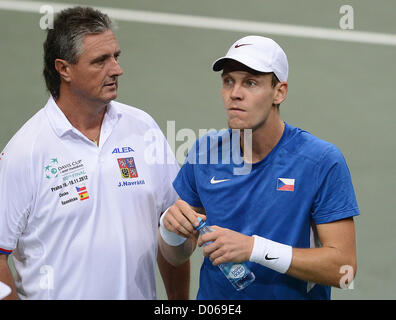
280 92
63 67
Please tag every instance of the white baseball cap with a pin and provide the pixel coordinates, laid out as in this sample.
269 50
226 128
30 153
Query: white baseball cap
258 53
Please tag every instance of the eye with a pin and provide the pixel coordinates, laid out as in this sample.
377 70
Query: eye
227 81
99 61
251 83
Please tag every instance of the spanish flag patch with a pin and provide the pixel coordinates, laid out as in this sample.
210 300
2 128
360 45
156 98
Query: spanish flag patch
82 193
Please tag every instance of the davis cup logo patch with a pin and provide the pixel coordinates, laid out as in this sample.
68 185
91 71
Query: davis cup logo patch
50 170
127 167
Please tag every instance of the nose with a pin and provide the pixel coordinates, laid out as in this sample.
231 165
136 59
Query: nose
236 92
115 70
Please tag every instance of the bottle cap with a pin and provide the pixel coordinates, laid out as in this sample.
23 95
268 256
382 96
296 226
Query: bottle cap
202 223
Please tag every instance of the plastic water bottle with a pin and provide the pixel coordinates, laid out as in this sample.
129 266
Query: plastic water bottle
238 274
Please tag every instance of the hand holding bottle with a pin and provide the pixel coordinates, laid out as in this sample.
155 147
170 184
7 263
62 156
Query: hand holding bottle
237 273
225 245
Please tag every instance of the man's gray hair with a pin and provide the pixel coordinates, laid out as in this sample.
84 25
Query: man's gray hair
65 40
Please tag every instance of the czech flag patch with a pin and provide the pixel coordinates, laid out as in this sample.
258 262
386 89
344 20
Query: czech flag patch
285 184
82 193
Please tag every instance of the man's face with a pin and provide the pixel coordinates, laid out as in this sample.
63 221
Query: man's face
95 76
248 98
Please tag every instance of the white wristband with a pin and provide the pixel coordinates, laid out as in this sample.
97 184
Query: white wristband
271 254
170 237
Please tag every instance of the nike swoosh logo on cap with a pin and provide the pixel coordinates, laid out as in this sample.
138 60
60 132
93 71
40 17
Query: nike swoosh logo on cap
213 181
243 44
